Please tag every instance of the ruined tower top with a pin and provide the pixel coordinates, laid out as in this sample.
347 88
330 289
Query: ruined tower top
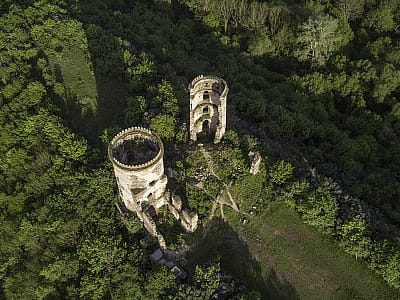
208 96
202 82
137 157
135 148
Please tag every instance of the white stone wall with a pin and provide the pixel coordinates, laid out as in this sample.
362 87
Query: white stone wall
151 180
140 184
217 90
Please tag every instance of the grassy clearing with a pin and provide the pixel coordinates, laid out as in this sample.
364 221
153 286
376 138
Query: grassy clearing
311 261
73 68
278 255
90 104
283 258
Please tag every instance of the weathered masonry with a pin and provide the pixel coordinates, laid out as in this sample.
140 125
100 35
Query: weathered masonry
137 157
208 96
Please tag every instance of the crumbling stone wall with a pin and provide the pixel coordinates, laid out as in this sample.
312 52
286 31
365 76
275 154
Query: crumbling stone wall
208 96
255 161
137 157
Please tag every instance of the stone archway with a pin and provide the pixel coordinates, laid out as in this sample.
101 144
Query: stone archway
208 95
203 132
205 127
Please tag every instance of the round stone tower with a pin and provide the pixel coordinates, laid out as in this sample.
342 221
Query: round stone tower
137 157
208 96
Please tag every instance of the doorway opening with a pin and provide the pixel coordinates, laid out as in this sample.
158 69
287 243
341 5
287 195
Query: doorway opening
205 127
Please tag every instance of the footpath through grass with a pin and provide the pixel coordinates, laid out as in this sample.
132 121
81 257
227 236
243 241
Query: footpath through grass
269 248
283 258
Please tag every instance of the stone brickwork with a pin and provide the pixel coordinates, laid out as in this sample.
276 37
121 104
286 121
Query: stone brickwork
137 157
208 96
186 218
255 161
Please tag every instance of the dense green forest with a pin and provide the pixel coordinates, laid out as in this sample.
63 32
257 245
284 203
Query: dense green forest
314 86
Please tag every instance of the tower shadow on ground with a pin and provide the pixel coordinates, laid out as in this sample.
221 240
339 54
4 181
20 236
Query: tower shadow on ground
223 244
222 240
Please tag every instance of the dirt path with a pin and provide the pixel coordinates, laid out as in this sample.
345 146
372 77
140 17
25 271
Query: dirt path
218 201
213 209
222 212
210 164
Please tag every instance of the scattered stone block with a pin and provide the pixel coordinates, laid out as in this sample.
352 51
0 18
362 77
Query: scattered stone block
169 264
255 161
171 173
176 202
189 220
156 255
174 211
178 273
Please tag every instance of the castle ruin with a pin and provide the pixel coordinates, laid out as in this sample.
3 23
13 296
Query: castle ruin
137 157
208 95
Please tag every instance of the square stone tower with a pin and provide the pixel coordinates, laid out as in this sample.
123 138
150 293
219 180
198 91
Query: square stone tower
208 96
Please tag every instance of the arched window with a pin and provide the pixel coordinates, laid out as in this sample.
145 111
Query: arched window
205 110
206 95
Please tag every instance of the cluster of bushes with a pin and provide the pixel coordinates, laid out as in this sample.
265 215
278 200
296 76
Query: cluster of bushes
321 75
321 208
61 236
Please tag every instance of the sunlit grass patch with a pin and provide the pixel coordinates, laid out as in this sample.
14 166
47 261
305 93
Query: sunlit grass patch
74 69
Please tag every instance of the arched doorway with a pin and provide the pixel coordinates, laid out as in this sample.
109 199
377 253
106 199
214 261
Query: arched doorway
205 127
203 136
